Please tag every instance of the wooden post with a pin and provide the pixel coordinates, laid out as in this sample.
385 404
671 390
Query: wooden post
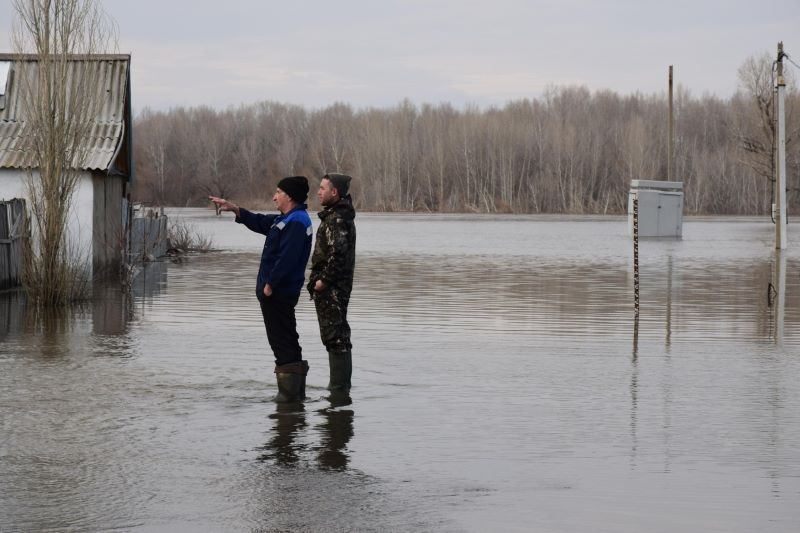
636 256
780 182
670 138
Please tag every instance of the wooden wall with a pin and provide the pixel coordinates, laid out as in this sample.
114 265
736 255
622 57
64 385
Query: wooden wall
12 220
109 224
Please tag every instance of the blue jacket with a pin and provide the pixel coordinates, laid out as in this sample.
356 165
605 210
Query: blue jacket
286 248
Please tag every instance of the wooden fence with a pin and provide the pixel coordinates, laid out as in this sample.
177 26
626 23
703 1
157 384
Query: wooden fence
149 238
12 224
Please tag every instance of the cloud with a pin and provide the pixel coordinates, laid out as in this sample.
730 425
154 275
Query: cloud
460 51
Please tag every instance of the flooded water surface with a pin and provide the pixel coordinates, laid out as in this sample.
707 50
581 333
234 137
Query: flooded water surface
501 383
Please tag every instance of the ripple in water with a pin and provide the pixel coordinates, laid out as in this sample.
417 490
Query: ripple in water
501 382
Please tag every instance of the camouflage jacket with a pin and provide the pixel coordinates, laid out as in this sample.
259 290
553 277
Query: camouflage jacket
334 256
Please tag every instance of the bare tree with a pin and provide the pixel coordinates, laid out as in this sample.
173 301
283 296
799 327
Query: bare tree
755 117
570 151
293 132
756 114
154 151
59 104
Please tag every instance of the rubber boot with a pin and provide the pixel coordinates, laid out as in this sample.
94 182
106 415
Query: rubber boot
341 364
291 379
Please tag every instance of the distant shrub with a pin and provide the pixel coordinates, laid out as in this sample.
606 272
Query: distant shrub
184 237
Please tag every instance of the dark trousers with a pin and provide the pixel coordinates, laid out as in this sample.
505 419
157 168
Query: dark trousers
331 305
279 319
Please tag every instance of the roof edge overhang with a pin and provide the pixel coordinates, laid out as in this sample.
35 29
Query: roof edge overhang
125 120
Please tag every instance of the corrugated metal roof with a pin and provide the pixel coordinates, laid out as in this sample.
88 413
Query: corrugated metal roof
111 73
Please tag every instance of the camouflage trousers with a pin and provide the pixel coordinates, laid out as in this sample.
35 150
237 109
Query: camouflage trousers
334 330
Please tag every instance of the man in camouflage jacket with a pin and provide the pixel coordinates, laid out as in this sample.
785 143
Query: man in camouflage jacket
331 279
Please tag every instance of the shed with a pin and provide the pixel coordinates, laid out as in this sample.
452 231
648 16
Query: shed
660 208
98 220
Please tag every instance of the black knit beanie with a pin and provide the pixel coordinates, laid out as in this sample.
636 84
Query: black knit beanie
340 181
296 187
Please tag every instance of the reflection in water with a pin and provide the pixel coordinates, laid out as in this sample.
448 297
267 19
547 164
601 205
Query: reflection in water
150 280
634 387
667 384
669 303
54 328
112 309
285 445
49 329
779 295
154 421
774 391
337 430
289 441
13 309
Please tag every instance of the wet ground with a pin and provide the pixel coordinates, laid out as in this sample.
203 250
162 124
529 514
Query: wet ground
500 383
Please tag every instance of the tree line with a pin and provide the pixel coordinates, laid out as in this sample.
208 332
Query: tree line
569 151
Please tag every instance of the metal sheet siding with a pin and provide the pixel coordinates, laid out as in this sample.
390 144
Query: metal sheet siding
110 92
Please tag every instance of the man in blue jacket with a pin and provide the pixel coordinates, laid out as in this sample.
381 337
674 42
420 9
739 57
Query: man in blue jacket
281 276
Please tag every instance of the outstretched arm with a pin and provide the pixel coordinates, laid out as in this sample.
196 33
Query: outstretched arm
254 221
225 205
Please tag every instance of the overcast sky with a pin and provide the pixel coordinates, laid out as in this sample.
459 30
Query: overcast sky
378 52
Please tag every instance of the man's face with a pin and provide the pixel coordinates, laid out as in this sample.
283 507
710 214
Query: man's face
282 201
327 194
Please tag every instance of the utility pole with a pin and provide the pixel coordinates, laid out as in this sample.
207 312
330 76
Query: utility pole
780 181
670 142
